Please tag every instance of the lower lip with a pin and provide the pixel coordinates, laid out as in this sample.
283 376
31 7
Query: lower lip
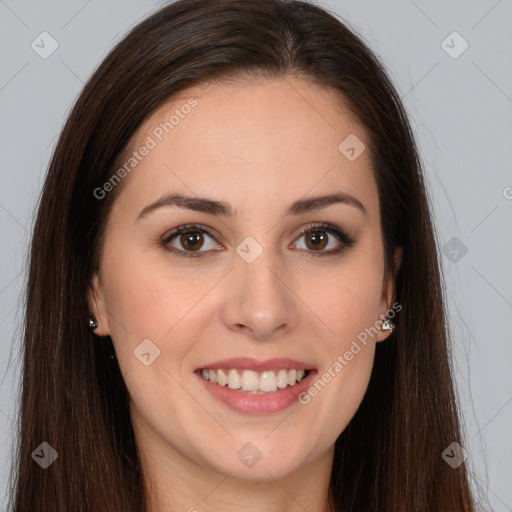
259 404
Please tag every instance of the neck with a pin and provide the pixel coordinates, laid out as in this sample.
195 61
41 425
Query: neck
175 483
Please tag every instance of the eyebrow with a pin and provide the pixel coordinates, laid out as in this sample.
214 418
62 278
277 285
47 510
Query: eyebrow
221 208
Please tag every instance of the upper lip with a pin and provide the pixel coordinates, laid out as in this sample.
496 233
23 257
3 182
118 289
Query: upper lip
248 363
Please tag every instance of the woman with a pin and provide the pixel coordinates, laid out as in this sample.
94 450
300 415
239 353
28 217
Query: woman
236 210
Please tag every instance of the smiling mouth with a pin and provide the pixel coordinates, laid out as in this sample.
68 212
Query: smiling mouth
252 382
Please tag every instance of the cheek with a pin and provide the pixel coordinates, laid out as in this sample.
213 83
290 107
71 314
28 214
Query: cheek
349 305
348 300
342 381
148 300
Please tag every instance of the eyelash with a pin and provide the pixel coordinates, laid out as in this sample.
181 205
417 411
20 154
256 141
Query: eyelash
346 240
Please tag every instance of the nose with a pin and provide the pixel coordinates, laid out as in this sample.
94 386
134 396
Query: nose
260 301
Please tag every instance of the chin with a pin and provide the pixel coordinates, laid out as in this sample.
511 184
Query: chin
254 462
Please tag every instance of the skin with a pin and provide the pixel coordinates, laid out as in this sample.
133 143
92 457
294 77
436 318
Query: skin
258 146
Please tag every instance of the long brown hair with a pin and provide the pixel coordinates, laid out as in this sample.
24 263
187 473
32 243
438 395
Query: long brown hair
388 459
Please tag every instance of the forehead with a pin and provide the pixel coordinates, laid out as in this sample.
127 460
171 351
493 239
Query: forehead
236 108
264 138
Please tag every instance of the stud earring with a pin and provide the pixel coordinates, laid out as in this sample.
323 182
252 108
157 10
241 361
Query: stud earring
388 325
93 323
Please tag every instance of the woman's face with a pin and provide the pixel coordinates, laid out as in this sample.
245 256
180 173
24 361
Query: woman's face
243 291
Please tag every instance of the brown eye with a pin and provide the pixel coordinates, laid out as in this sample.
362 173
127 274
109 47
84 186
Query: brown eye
316 240
191 240
323 240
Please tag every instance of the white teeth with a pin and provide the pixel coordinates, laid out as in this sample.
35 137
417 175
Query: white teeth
234 379
282 379
222 378
268 381
250 381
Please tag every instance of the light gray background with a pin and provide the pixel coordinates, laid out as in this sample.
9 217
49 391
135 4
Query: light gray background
461 112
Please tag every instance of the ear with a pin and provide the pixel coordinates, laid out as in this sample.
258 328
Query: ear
97 307
389 294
